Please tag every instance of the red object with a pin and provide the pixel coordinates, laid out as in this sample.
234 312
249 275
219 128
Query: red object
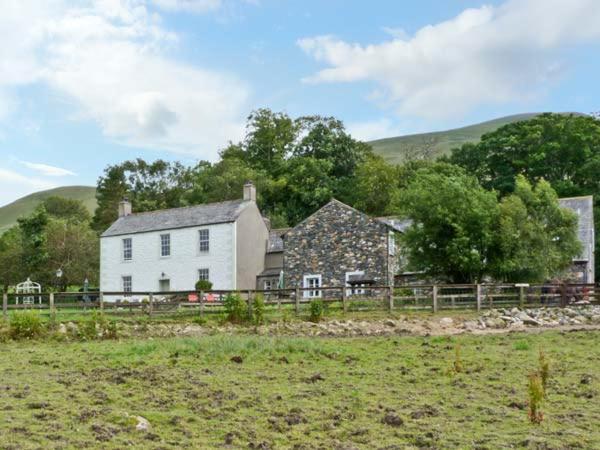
210 298
192 298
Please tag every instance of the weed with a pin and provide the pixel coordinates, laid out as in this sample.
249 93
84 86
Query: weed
521 345
316 311
258 310
535 391
199 320
458 365
235 308
25 325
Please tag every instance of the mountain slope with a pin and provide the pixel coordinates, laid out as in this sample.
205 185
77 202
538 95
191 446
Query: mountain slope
24 206
432 145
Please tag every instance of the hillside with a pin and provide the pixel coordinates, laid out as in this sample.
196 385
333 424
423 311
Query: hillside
432 145
24 206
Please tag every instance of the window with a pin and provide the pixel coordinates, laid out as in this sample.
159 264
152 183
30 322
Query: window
392 244
165 245
268 285
127 249
164 285
354 289
203 274
204 237
127 284
312 282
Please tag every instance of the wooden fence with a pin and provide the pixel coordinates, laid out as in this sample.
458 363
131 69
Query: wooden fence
434 297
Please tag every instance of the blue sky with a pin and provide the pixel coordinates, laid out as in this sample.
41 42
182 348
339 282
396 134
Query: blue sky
88 83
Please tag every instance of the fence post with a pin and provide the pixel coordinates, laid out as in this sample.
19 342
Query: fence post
297 300
5 305
344 299
478 297
150 303
390 293
521 296
249 303
201 300
563 295
51 301
101 300
434 294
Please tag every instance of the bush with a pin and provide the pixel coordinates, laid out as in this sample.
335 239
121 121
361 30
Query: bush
458 365
97 326
544 370
258 310
535 391
25 325
203 285
316 310
235 308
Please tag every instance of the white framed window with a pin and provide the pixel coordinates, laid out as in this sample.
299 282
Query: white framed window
165 245
164 285
268 285
127 283
312 282
204 236
392 244
127 249
356 288
203 274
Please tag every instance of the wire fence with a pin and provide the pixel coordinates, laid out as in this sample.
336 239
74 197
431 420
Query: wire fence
409 297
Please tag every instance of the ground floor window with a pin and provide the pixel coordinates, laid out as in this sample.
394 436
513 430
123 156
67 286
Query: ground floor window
354 288
203 274
313 282
126 283
268 285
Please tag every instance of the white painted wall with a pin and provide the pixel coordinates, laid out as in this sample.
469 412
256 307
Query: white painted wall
181 267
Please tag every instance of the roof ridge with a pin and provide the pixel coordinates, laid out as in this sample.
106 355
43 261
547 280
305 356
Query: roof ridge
156 211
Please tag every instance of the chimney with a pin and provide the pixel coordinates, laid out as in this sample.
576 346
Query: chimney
249 191
124 207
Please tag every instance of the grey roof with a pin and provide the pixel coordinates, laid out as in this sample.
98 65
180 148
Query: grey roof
272 272
168 219
275 243
584 208
396 223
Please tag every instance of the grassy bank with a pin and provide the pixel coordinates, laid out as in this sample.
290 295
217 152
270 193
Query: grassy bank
260 392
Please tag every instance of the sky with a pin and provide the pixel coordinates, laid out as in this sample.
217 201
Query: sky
88 83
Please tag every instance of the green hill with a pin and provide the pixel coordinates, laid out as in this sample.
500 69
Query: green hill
432 145
24 206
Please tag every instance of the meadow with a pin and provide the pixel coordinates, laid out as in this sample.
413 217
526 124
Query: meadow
248 391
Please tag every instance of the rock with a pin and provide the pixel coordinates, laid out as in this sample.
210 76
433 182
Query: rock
531 321
142 424
514 312
470 325
72 328
446 322
62 328
389 323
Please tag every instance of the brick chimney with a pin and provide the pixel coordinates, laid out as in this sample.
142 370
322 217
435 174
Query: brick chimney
125 207
249 191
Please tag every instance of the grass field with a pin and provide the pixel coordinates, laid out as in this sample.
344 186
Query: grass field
24 206
261 392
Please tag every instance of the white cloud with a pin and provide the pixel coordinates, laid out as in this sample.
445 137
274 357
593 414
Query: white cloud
14 185
374 129
110 59
47 170
486 55
194 6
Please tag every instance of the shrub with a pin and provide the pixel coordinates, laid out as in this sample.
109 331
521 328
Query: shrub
535 391
97 326
544 369
25 325
521 345
236 309
458 365
203 285
316 310
258 310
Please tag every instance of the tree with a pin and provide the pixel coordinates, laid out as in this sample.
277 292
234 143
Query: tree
376 186
536 239
65 208
33 238
453 225
11 258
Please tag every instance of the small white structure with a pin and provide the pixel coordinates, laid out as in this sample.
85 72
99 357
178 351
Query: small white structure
28 287
170 250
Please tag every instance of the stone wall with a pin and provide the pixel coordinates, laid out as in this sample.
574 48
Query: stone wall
335 240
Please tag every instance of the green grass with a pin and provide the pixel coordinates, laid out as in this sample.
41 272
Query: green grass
433 145
299 393
25 206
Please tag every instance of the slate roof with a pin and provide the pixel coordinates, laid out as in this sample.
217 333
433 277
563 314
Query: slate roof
270 272
275 243
168 219
584 208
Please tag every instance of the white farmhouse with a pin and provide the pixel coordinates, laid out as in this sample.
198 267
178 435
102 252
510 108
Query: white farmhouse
170 250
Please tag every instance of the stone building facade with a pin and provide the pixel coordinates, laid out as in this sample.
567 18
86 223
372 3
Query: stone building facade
337 246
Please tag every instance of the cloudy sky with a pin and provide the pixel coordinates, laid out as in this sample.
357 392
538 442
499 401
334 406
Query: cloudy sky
86 83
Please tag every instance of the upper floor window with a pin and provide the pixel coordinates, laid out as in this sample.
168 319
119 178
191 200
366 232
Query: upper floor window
165 245
127 249
204 238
